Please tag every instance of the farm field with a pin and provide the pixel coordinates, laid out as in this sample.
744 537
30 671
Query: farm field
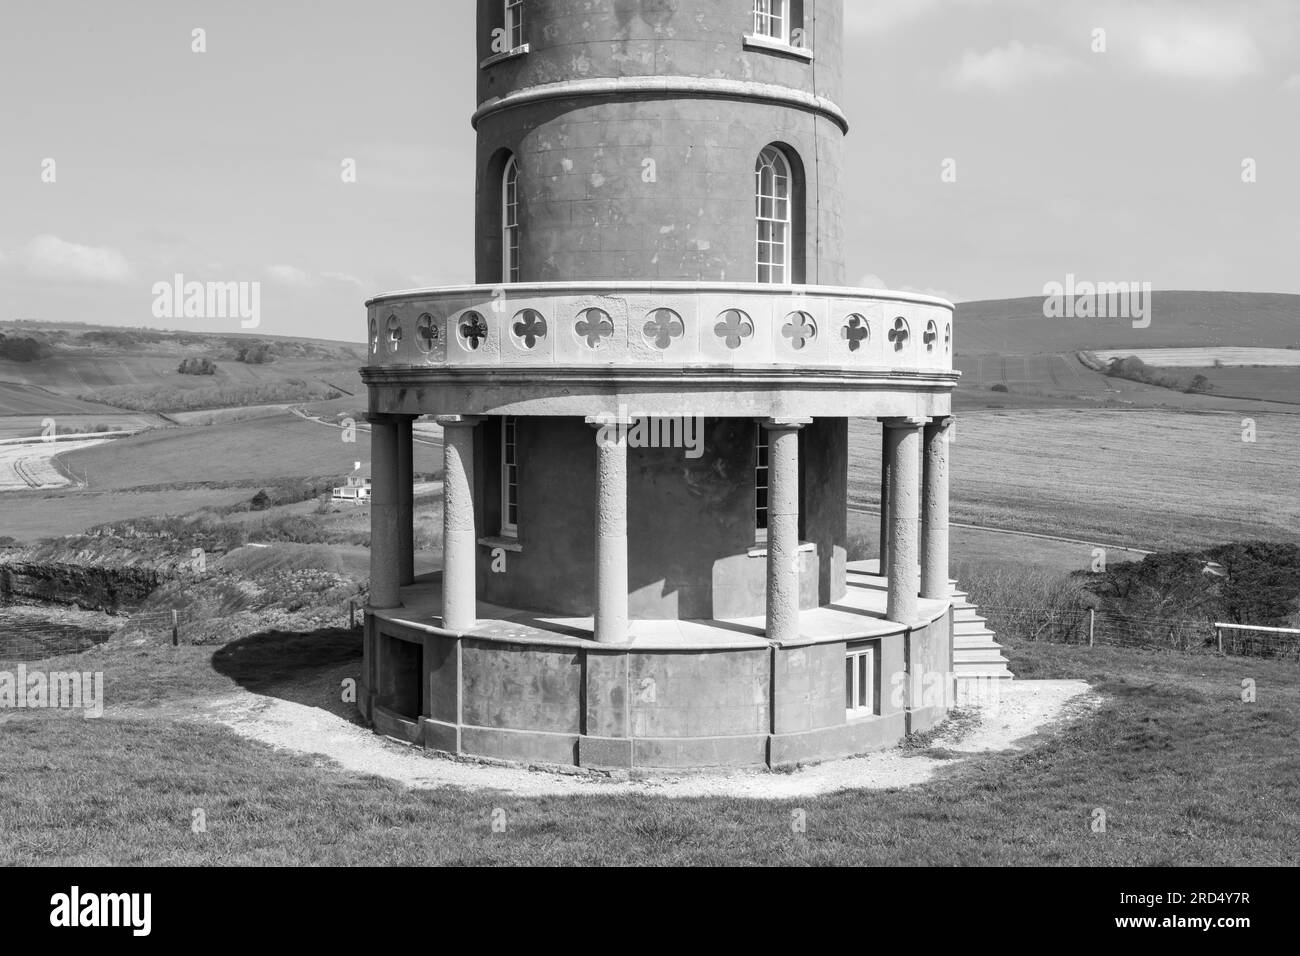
32 464
1206 358
35 402
1062 381
1267 384
1179 319
1144 478
178 470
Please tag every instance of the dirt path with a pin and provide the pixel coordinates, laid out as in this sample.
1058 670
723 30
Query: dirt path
320 726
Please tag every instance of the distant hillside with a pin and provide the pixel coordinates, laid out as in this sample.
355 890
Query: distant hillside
139 368
1179 319
1012 356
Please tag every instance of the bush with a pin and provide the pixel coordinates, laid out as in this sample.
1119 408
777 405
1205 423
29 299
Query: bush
999 387
261 501
22 349
197 366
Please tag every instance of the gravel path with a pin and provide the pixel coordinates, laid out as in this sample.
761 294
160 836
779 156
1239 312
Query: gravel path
1023 709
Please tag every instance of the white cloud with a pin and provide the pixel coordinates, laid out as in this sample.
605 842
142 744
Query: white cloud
290 275
1006 67
872 17
1292 82
872 281
51 258
344 278
1199 49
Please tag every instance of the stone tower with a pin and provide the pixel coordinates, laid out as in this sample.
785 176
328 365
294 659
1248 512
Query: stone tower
646 400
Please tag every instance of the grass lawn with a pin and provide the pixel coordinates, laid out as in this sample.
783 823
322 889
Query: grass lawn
1187 775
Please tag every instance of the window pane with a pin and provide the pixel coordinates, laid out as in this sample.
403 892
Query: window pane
862 679
848 684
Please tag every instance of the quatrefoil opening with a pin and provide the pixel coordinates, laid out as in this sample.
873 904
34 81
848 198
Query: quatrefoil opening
801 329
529 328
734 327
931 335
899 334
663 326
856 332
473 331
594 326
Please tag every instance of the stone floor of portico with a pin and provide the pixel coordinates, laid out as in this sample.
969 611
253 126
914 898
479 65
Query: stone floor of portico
860 614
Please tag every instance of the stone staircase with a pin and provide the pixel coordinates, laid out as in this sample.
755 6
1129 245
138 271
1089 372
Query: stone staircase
975 652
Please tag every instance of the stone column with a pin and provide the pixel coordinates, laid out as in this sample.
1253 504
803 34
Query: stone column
611 617
884 500
934 511
783 527
385 539
459 538
903 446
405 501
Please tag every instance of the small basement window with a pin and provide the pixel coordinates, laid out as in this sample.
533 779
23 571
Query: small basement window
861 678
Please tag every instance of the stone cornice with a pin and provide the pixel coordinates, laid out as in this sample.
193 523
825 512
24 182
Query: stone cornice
659 87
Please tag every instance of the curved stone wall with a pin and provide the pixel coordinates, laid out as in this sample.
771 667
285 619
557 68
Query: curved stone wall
636 126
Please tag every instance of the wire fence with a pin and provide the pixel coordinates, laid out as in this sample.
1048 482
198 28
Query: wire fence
1084 626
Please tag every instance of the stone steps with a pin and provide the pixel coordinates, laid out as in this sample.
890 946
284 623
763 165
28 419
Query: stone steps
975 651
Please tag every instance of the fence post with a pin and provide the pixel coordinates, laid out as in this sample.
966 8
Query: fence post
176 629
1092 620
1218 632
352 614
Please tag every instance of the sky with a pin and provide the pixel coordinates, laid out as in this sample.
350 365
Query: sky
996 146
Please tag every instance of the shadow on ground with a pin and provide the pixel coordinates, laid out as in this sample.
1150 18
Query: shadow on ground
303 668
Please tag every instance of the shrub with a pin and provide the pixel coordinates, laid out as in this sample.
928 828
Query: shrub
261 501
999 387
197 366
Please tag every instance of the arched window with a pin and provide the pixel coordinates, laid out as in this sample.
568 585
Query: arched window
771 19
773 189
514 24
510 222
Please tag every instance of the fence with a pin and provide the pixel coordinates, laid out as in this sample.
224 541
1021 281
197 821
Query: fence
1085 626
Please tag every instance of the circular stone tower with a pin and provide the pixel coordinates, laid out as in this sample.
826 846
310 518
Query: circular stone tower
646 401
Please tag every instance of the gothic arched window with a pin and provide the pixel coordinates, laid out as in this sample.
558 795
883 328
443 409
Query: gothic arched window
510 222
772 200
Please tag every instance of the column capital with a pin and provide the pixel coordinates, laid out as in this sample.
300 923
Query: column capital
784 424
942 421
904 423
452 421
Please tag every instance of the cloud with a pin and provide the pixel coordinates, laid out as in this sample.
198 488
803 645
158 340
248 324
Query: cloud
1199 49
344 278
53 259
872 281
1006 67
290 275
881 16
1292 82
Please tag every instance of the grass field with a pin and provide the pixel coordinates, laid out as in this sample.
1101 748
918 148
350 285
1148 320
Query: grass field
1188 776
1208 358
1147 479
1179 320
175 471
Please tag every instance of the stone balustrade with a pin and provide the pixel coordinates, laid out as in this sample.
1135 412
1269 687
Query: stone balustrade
660 324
